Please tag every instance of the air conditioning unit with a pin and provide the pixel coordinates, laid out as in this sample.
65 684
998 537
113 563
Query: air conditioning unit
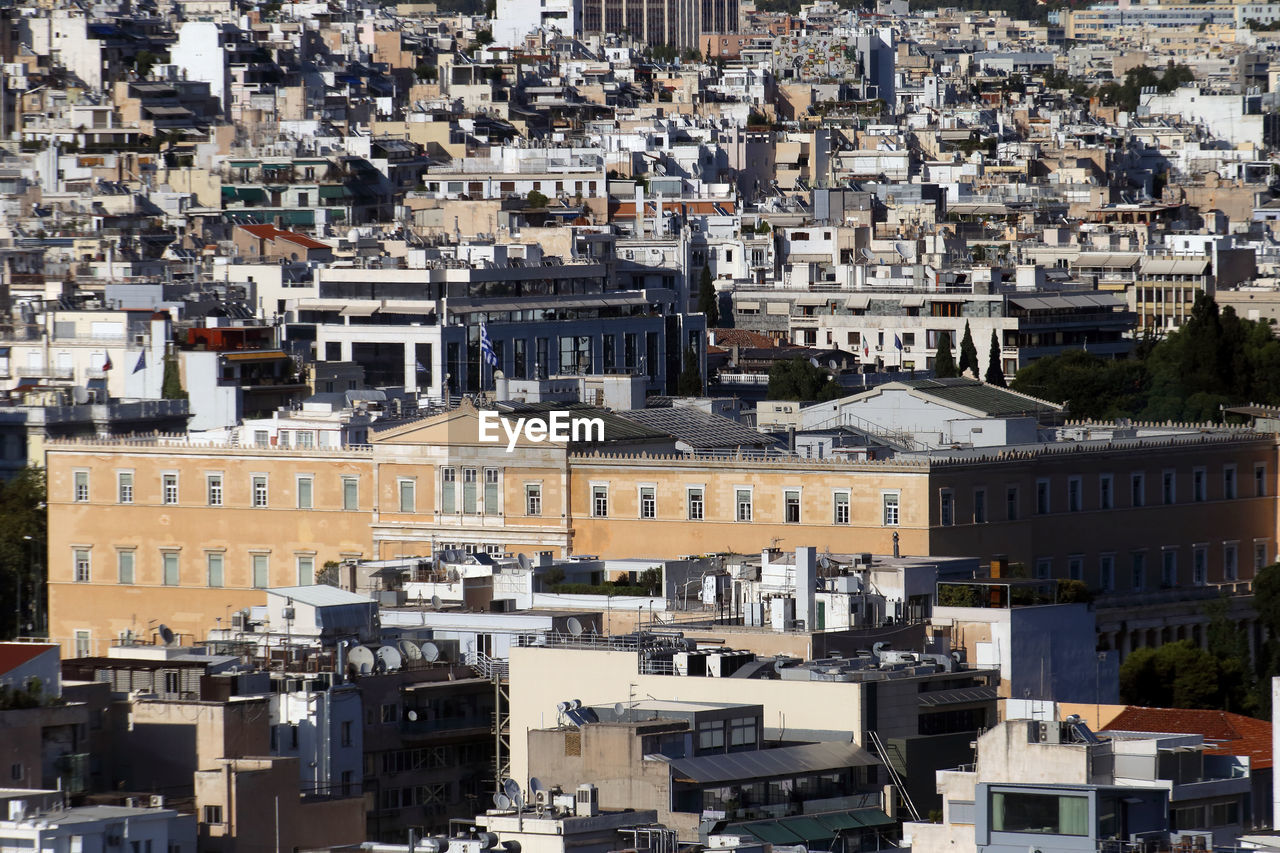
287 613
157 801
587 801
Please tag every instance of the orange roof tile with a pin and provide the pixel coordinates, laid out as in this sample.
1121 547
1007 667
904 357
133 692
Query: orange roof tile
1224 733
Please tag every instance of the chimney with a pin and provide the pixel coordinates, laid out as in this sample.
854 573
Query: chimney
806 578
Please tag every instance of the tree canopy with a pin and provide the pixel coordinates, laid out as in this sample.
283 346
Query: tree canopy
798 379
968 353
944 363
1215 359
690 382
995 367
708 302
23 528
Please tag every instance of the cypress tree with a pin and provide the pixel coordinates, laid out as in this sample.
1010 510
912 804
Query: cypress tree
944 363
995 372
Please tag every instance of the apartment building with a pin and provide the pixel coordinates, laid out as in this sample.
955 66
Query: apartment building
184 532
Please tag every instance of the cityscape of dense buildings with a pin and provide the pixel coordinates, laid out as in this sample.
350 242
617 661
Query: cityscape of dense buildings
639 426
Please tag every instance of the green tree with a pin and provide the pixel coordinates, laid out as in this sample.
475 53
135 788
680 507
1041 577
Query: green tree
651 579
968 353
1176 675
171 384
143 61
708 303
944 364
426 71
995 372
23 534
536 199
484 38
800 379
690 381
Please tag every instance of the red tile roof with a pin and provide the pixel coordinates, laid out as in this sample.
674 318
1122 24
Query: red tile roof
14 655
743 338
1224 733
270 232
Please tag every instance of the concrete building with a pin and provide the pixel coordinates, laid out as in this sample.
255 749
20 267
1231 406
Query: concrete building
513 19
41 820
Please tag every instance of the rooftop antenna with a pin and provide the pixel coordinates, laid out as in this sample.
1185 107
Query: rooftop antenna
512 789
524 561
574 626
435 602
430 652
501 801
166 634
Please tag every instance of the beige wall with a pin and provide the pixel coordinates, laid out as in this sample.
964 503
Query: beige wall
543 677
166 742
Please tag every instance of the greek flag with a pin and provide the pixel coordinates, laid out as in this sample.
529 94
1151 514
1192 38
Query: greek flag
486 347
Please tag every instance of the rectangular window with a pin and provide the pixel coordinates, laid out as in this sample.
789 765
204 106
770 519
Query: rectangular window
170 561
1259 555
350 493
448 490
1138 489
124 566
213 483
1106 496
469 491
306 571
82 565
600 501
1198 490
407 497
1200 565
490 491
648 502
695 504
260 490
215 569
1230 566
1075 567
1139 570
124 487
742 498
1047 814
82 486
261 573
1229 482
169 488
533 499
841 508
742 732
711 735
1074 497
791 506
304 492
1042 497
1107 572
979 506
1044 567
1011 503
890 504
84 644
1260 480
1168 488
213 814
1169 567
946 508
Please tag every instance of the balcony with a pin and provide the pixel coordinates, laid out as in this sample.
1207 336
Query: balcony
443 724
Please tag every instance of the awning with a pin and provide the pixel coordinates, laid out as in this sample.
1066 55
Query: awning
255 355
770 763
361 309
858 301
333 191
812 299
747 306
322 305
912 300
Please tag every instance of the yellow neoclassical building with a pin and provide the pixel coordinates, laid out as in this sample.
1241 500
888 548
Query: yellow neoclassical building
160 531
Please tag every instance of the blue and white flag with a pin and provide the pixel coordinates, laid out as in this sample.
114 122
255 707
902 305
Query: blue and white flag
486 347
897 342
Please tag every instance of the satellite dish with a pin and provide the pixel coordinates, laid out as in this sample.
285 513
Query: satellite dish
362 659
867 254
901 249
525 563
619 709
430 652
435 602
79 395
824 561
574 626
512 789
535 785
166 634
502 801
813 359
410 650
412 715
389 657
